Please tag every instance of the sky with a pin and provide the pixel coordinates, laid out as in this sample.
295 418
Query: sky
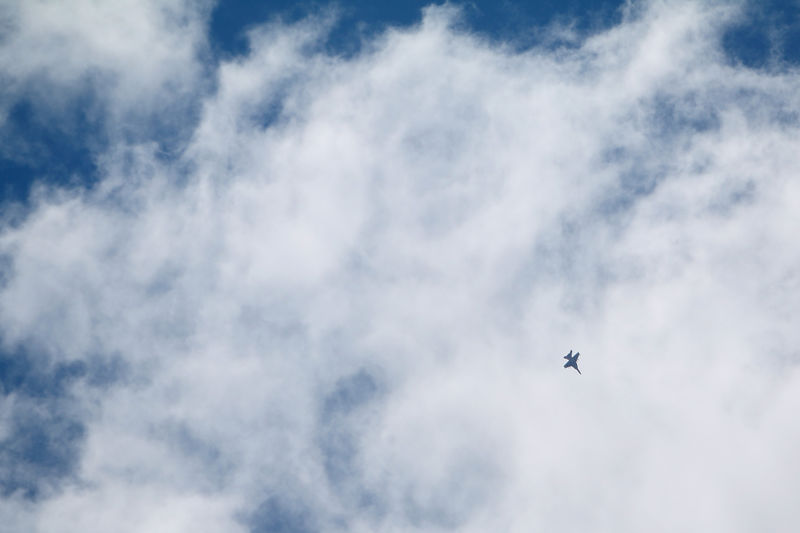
288 268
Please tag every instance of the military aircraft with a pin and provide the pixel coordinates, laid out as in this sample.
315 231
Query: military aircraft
572 360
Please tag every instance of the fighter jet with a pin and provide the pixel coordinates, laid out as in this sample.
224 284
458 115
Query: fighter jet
572 360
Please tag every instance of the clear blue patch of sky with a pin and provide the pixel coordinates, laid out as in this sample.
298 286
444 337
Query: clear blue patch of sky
41 146
500 19
768 35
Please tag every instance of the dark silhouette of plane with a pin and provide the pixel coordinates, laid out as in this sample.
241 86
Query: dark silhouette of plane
572 360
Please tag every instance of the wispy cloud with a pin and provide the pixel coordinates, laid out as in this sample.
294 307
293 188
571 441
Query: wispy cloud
342 304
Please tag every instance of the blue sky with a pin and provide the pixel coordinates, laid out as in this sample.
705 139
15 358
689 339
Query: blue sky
280 267
69 156
768 33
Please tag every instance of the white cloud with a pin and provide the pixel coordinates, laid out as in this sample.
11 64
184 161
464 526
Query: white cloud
345 304
130 69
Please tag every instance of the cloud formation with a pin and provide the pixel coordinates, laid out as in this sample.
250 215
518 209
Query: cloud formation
341 306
